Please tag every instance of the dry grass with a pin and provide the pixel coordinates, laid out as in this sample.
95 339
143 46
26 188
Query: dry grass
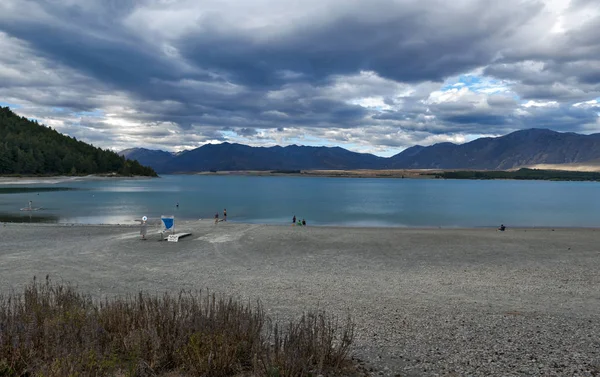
53 330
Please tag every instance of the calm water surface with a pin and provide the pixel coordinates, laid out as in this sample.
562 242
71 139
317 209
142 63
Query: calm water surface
321 201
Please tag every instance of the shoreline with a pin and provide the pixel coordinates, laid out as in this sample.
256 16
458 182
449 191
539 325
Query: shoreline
33 180
420 174
357 173
187 222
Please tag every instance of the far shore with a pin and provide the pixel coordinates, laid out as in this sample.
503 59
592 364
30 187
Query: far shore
31 180
342 173
389 173
358 173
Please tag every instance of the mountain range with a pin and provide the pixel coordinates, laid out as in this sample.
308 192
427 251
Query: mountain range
520 148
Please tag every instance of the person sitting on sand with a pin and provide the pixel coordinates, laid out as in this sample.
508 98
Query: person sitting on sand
502 228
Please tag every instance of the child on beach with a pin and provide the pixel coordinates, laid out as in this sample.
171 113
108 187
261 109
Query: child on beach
216 217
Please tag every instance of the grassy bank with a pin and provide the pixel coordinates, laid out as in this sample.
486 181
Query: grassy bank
53 330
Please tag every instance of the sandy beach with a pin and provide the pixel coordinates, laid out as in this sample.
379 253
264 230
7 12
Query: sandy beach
425 302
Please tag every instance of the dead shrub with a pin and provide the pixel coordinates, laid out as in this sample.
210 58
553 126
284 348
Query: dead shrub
53 330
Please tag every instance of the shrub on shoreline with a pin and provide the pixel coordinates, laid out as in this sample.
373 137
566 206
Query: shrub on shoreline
54 330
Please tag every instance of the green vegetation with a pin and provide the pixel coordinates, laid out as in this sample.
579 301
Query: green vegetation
286 171
52 330
530 174
31 149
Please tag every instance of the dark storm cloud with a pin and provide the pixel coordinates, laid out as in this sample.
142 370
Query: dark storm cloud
408 46
478 119
120 64
558 92
246 131
402 44
562 119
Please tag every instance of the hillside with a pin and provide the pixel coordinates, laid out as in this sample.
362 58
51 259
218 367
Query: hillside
521 148
148 157
32 149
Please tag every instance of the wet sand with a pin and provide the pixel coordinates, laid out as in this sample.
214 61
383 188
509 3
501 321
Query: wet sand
425 301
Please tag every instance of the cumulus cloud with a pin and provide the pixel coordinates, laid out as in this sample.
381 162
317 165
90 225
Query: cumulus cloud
376 76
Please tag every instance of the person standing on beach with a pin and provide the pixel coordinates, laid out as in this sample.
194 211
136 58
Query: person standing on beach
225 214
294 220
216 217
144 229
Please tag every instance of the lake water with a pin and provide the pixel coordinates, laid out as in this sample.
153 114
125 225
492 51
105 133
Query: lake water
319 200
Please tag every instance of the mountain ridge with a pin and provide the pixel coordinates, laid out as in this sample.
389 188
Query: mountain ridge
520 148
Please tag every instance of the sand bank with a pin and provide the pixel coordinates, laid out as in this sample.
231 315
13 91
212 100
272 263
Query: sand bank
426 302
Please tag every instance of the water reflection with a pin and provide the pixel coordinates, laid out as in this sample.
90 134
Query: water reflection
27 218
107 219
25 190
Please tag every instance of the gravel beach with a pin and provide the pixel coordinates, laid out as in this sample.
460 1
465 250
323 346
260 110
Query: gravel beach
426 302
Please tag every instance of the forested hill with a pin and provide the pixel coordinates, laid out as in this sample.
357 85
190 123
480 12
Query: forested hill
32 149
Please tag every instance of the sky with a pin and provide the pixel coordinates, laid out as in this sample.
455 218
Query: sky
374 76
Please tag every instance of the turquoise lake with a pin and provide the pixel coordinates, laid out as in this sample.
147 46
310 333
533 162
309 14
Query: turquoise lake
319 200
